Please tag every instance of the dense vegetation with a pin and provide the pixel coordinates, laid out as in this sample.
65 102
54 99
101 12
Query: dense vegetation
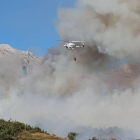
14 130
10 129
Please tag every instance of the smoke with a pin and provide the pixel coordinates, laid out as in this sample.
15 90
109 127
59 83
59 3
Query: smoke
113 25
61 95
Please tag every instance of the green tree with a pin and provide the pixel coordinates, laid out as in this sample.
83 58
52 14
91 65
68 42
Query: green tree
72 135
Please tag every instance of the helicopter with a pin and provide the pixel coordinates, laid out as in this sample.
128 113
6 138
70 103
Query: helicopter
70 45
73 44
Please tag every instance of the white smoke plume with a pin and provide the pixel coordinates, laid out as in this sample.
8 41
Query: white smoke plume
61 95
112 25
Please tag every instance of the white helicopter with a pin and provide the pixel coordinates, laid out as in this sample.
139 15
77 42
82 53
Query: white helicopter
73 44
70 45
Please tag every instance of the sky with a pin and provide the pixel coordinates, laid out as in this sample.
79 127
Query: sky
31 25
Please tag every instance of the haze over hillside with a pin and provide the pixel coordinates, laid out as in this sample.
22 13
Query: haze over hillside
61 95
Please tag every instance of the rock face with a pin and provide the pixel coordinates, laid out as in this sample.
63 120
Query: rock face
25 59
6 50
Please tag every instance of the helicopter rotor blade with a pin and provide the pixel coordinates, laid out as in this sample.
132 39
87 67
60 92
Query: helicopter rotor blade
63 40
77 41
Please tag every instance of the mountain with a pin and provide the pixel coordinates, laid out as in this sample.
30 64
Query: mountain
25 58
6 50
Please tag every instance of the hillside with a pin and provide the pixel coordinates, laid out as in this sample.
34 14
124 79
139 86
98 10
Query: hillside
13 130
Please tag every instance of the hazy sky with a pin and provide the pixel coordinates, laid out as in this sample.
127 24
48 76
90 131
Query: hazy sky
30 24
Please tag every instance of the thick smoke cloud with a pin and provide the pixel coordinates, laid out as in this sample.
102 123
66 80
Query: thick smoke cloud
112 25
61 95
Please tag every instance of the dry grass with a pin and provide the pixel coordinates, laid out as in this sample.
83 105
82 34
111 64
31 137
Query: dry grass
37 136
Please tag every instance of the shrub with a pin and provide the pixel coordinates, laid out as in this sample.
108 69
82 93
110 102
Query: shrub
72 135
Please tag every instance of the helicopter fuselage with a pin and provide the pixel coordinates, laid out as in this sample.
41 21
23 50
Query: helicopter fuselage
72 46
